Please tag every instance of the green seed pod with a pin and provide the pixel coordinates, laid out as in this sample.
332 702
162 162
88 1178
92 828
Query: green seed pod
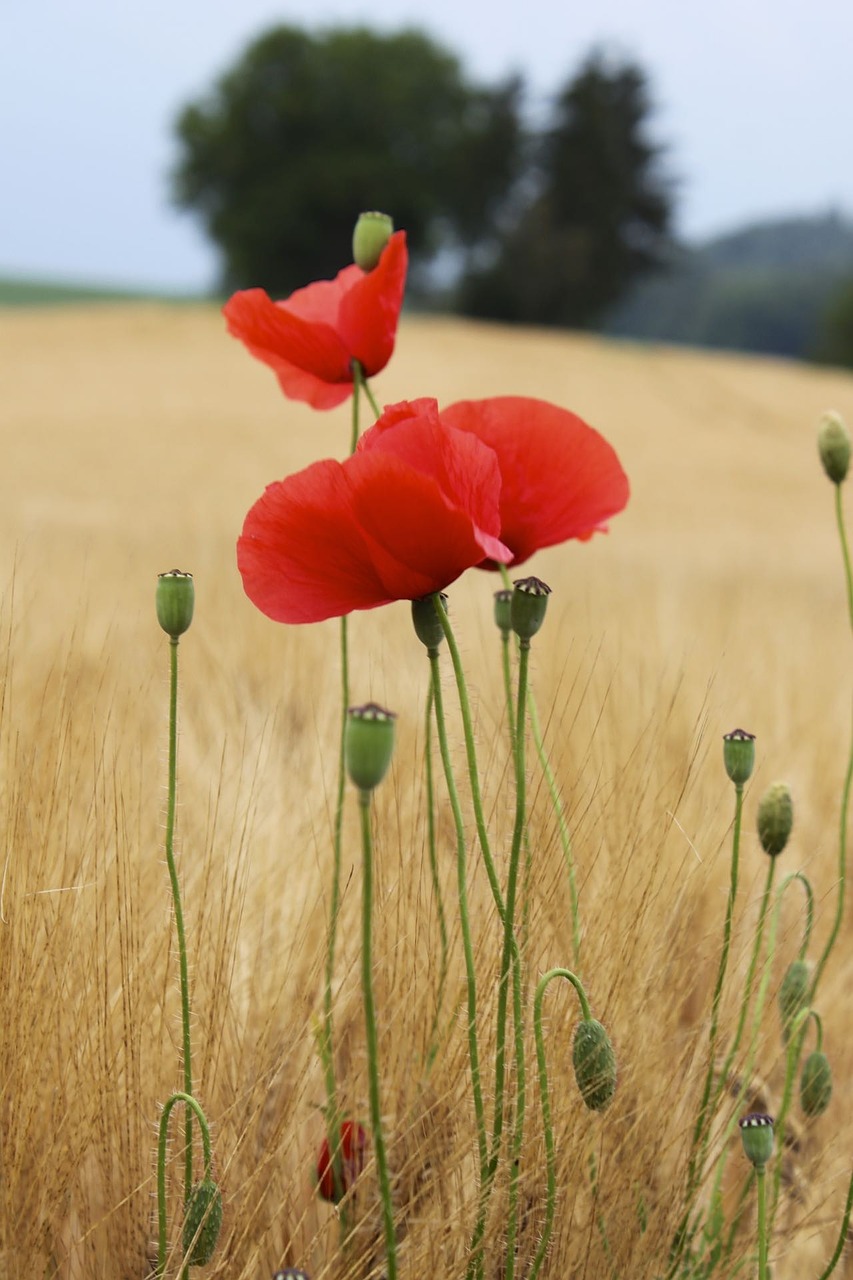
756 1132
793 995
372 233
528 605
739 755
203 1222
368 744
175 602
775 818
503 611
815 1084
595 1064
833 445
426 621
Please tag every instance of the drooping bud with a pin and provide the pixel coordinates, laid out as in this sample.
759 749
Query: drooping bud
815 1084
503 610
756 1132
175 602
793 995
202 1223
833 445
775 818
426 621
353 1146
368 744
528 606
372 232
739 755
595 1064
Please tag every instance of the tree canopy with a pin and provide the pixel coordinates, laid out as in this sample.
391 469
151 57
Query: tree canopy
306 130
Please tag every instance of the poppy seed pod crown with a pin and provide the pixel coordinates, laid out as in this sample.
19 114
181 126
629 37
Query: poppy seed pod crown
368 744
756 1132
739 755
528 606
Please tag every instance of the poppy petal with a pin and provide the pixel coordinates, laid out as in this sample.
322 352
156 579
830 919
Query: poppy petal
370 308
560 478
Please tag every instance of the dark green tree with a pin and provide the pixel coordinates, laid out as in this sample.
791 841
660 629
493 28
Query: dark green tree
308 129
834 344
598 214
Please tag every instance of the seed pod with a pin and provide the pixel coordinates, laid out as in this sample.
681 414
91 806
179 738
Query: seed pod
756 1132
775 818
528 606
833 445
368 744
793 995
426 621
175 601
595 1064
202 1223
739 755
372 232
503 610
815 1084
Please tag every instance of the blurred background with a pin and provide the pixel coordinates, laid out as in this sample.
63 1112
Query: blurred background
665 172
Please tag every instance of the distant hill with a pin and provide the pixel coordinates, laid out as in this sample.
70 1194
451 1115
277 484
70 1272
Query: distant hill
18 291
764 288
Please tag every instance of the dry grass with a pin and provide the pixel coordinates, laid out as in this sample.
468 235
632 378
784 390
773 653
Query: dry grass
136 439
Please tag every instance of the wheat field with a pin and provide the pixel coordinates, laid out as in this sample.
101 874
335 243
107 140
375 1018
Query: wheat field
135 440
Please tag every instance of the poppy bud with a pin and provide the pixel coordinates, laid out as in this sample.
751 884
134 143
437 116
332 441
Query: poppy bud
756 1133
175 602
595 1064
775 818
833 445
503 611
815 1084
353 1144
528 605
426 621
368 744
372 233
739 755
202 1223
793 994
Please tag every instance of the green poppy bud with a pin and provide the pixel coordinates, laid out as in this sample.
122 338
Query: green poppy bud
595 1064
368 744
793 995
739 755
756 1132
775 818
372 233
833 445
528 605
815 1084
175 602
203 1222
503 611
426 621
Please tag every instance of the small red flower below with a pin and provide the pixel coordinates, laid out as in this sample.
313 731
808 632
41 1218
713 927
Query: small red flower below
353 1147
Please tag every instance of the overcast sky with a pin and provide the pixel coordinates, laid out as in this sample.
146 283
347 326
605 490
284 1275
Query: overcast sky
753 102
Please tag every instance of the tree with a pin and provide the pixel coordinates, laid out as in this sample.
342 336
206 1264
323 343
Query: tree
835 336
307 130
598 214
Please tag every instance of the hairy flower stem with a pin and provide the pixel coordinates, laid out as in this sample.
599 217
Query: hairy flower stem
842 1235
464 916
550 1150
848 779
178 909
371 1035
432 1047
760 1177
191 1105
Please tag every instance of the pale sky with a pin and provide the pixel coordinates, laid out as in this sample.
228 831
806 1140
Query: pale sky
753 101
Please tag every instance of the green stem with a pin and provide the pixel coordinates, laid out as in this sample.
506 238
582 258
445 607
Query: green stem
762 1223
371 1035
433 867
550 1150
842 1235
191 1105
464 916
845 798
507 675
362 384
562 826
176 901
794 1052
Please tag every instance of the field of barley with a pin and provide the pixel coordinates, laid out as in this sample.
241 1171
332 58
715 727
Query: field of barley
135 440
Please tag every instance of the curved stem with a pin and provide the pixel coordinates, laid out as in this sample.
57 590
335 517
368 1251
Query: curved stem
807 931
842 1235
178 909
191 1105
550 1150
371 1035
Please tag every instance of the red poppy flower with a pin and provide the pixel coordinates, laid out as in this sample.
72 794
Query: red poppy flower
559 478
353 1145
412 509
311 338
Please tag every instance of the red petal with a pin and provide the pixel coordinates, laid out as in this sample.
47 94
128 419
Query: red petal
308 357
561 479
370 308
